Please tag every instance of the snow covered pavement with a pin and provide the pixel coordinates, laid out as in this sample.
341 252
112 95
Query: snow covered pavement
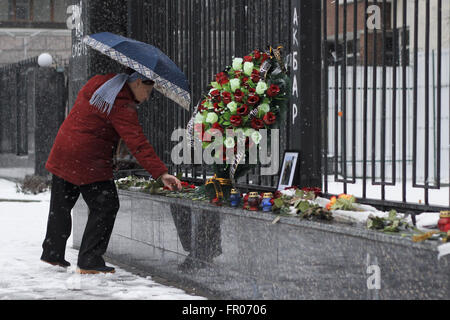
23 276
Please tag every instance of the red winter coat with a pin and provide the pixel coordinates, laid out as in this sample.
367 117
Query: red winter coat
83 148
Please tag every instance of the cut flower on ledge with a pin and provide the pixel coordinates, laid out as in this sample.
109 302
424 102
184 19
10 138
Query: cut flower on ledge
342 202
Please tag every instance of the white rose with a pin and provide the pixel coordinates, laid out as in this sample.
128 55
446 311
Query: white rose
264 108
248 68
261 87
232 106
248 132
229 142
235 84
212 117
256 137
199 118
237 64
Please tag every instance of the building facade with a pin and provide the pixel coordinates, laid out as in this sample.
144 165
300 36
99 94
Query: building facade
31 27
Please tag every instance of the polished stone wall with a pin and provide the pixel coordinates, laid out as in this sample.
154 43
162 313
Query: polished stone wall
237 254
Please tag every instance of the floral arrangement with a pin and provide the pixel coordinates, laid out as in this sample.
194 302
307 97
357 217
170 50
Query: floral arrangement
248 96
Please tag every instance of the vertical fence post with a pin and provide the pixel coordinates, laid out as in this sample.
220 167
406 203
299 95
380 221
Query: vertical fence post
304 117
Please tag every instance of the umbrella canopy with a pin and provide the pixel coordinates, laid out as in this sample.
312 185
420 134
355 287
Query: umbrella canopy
147 60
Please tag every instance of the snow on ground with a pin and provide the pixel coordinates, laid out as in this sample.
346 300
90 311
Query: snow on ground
437 197
23 276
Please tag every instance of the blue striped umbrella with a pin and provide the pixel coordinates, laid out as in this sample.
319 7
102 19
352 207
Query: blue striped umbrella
147 60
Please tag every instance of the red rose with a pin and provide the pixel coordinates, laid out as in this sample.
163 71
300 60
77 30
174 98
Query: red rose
235 121
317 191
273 90
222 78
238 95
223 81
255 76
257 124
277 195
192 186
265 57
252 100
184 183
217 126
252 90
242 110
226 97
217 107
248 59
269 118
237 73
215 93
257 54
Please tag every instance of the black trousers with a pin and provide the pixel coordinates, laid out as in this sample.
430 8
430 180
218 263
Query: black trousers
103 203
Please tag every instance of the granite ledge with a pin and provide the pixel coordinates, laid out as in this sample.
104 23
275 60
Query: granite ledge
333 227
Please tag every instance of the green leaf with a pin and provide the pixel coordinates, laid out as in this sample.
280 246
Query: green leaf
278 203
392 215
303 206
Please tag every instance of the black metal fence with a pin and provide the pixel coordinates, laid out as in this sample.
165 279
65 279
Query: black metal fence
386 95
385 87
33 103
14 101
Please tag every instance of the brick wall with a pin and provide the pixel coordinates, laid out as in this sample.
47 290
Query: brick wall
20 44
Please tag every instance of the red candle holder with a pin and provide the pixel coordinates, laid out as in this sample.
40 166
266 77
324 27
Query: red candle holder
444 221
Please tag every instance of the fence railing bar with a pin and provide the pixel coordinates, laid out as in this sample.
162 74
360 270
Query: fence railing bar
416 43
366 80
325 93
383 106
374 101
404 101
439 96
427 96
394 94
344 100
354 114
336 93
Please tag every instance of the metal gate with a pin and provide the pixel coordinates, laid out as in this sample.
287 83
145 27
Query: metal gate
385 86
386 96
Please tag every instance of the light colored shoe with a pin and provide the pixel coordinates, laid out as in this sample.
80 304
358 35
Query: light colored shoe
104 269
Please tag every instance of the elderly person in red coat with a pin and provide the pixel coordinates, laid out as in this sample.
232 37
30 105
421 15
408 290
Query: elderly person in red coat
81 161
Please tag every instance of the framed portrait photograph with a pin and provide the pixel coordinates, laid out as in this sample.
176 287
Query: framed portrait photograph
288 169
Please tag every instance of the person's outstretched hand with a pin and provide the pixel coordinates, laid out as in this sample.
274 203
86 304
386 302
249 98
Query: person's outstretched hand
171 182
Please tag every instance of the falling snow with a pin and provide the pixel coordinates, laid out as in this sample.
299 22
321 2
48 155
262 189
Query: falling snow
24 276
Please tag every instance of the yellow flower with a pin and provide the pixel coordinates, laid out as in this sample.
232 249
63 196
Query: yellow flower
345 196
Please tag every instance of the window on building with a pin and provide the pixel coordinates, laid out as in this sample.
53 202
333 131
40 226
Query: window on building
22 10
42 11
47 11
